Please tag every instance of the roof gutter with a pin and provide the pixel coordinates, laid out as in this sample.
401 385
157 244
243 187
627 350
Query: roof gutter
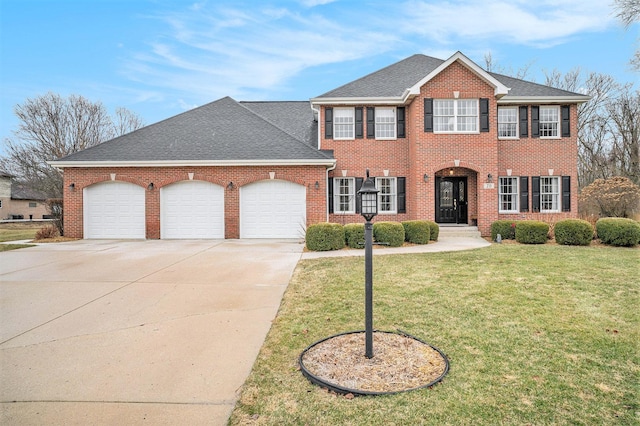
191 163
576 99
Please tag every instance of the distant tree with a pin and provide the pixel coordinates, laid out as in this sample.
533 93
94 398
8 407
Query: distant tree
492 66
613 197
628 11
51 127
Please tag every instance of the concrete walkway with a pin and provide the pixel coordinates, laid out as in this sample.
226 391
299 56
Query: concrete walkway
142 332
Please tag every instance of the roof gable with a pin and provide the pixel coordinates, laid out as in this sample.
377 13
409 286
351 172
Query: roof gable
499 88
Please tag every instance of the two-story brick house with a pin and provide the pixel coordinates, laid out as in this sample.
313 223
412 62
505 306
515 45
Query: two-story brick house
446 141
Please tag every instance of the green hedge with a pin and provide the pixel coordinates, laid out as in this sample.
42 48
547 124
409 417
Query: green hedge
354 235
531 232
417 231
618 231
325 236
506 229
389 232
434 230
573 232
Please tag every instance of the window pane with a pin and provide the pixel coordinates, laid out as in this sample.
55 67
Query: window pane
549 121
343 123
387 194
507 122
549 193
508 194
344 195
385 123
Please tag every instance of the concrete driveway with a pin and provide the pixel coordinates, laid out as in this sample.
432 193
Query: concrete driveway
135 332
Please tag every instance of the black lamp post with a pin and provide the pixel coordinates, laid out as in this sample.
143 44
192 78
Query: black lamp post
368 209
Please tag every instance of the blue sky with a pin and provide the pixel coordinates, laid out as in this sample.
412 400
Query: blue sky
159 58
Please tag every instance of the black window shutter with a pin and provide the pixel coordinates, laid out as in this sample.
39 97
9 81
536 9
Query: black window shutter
524 121
428 115
401 191
358 196
328 123
524 193
371 123
566 127
535 193
535 121
330 186
566 193
400 122
358 122
484 115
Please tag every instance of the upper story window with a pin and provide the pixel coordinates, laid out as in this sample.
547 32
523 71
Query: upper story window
549 121
385 122
344 190
387 197
343 123
455 115
507 122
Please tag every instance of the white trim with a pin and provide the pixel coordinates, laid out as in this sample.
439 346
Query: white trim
543 100
499 88
517 195
358 101
187 163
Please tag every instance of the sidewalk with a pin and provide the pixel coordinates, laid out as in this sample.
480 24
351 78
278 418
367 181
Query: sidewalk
443 244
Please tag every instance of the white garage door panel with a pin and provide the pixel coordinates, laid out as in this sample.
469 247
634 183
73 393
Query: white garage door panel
114 210
192 209
273 209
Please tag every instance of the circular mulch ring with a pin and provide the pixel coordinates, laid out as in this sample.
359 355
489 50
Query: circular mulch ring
400 363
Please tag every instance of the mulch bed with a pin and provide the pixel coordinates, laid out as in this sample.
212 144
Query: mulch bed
399 363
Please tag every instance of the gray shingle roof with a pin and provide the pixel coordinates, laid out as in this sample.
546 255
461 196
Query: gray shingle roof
223 130
392 81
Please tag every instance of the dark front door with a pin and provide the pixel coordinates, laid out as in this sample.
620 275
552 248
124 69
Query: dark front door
451 199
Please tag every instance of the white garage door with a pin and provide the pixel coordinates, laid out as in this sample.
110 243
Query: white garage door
273 209
114 210
192 209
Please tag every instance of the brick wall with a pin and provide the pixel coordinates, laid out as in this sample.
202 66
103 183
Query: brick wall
162 176
475 156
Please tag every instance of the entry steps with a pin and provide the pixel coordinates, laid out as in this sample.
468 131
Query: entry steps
457 231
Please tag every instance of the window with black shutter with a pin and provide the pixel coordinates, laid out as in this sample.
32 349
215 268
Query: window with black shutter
359 129
484 114
535 194
566 193
401 122
371 123
524 193
401 191
535 121
330 186
524 122
566 125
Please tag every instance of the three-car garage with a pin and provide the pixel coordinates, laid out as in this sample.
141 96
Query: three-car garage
195 209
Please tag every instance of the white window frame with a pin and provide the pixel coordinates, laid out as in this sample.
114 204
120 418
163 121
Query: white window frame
385 117
511 124
339 197
544 121
454 113
550 194
390 190
502 196
344 123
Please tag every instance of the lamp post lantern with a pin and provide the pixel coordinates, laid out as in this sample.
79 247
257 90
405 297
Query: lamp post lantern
368 209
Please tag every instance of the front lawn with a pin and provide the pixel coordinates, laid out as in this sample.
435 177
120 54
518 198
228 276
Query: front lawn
534 335
15 231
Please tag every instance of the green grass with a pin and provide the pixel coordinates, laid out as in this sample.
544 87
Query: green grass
19 231
534 335
8 247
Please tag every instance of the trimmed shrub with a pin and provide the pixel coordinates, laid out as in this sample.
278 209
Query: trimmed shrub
531 232
434 229
354 235
47 232
573 232
617 231
417 231
325 236
389 232
506 229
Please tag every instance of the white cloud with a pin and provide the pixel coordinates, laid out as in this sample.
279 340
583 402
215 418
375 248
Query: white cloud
541 23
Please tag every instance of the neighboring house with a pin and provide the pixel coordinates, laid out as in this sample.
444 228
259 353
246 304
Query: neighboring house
446 141
20 202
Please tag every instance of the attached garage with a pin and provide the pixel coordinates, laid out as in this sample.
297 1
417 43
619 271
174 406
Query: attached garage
114 210
192 209
273 209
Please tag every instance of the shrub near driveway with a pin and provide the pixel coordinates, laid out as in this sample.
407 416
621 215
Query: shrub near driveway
536 334
354 235
531 232
417 231
325 236
391 233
